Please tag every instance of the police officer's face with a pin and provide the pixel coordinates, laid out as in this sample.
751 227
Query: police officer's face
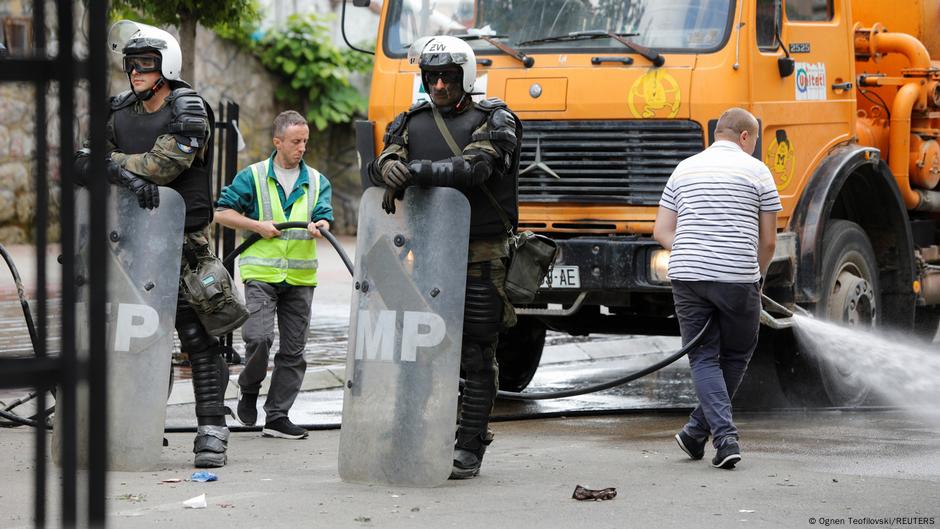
445 87
146 80
292 146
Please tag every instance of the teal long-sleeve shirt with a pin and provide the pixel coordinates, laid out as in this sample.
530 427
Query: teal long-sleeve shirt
240 195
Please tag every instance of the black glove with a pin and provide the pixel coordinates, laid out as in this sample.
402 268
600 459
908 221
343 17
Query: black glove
148 194
395 174
388 201
80 167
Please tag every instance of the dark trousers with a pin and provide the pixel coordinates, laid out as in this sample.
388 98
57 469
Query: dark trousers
291 306
719 362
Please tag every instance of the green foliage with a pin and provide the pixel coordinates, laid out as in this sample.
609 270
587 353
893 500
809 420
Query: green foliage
209 13
315 72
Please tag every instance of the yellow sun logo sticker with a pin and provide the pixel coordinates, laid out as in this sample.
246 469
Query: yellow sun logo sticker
781 159
655 94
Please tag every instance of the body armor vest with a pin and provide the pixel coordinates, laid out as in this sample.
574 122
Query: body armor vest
426 143
136 133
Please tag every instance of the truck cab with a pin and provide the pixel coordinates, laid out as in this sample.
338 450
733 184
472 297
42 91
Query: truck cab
614 93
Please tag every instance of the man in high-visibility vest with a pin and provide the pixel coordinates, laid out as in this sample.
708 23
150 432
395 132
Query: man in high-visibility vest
280 271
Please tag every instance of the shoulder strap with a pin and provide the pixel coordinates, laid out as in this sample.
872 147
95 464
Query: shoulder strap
445 132
449 138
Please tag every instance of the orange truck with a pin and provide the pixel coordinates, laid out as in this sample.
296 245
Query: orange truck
614 93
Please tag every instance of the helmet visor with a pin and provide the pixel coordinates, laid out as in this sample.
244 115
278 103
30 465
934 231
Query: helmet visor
442 59
142 63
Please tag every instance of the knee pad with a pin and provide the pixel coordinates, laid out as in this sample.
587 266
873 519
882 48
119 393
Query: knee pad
476 359
193 336
483 311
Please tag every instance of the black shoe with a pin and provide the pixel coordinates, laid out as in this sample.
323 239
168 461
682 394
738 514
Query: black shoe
694 449
466 464
247 410
727 456
283 429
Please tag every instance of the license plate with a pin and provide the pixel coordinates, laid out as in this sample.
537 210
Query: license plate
563 277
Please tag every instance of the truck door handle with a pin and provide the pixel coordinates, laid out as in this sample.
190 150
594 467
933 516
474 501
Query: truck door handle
626 61
842 86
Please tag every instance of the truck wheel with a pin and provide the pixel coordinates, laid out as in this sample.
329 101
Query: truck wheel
519 352
849 295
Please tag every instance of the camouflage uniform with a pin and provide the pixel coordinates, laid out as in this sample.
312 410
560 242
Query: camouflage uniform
494 250
485 172
169 147
161 165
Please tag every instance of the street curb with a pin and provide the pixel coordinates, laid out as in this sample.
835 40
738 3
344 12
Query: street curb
315 378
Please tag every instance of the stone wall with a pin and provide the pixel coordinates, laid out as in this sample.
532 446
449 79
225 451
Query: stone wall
17 150
224 72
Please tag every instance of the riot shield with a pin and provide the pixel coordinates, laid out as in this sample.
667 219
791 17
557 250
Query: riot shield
405 329
143 280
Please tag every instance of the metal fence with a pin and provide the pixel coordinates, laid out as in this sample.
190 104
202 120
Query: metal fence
66 371
224 168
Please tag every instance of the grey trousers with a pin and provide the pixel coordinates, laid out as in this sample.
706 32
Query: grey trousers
719 362
291 305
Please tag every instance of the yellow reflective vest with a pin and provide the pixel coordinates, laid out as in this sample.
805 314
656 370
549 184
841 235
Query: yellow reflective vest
292 255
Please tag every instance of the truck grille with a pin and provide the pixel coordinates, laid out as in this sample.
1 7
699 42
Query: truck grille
622 162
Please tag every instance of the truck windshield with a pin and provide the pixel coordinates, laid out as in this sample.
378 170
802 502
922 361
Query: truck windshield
678 26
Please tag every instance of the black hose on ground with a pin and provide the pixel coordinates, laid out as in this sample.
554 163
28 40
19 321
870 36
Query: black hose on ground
509 395
12 420
21 294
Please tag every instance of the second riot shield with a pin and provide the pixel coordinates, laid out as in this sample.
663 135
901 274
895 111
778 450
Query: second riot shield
405 329
143 257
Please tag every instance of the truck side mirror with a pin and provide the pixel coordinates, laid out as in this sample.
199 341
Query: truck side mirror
362 3
785 66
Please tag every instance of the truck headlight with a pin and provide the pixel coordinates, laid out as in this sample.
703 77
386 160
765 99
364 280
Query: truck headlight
659 266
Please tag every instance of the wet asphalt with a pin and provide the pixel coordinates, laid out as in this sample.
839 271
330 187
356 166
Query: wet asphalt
801 468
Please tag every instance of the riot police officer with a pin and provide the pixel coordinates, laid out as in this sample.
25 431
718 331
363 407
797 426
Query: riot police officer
473 147
157 133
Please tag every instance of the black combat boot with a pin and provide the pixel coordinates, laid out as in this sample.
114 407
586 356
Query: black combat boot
473 436
210 378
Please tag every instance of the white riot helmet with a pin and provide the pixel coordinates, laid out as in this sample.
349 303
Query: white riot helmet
442 53
133 38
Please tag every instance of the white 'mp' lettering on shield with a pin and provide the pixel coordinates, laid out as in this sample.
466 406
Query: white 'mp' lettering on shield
376 341
376 334
412 338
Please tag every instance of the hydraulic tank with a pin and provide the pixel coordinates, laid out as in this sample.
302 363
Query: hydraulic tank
920 18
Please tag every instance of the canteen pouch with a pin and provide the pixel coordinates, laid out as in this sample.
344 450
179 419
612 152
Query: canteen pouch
211 293
531 259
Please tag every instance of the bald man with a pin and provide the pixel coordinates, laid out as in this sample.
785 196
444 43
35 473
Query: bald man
718 216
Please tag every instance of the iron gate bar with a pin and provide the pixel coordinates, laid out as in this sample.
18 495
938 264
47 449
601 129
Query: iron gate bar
25 69
42 221
67 384
98 275
227 157
41 371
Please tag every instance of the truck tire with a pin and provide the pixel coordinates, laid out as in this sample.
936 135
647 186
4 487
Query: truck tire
519 352
850 295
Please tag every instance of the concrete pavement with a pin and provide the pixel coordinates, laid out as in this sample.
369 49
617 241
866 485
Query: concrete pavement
799 470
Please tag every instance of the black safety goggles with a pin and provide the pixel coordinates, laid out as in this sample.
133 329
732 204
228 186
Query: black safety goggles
448 76
142 63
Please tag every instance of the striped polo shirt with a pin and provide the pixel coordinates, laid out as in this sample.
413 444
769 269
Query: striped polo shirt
718 195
